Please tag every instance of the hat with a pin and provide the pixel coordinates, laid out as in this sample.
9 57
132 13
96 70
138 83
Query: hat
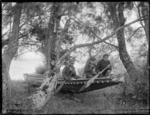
105 55
92 58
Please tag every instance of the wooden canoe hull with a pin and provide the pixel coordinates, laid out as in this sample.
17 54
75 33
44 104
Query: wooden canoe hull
73 86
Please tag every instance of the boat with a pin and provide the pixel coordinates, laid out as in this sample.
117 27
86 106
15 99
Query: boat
74 86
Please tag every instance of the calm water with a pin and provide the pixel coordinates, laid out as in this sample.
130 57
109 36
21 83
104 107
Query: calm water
19 67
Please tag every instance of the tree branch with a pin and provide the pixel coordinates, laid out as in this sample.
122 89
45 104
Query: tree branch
101 49
104 41
31 43
97 42
31 18
139 15
65 29
95 33
23 35
5 42
116 47
3 4
134 32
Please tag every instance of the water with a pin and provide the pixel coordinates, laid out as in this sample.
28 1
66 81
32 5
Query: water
28 64
19 67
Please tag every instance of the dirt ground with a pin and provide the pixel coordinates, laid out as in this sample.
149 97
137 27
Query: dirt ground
106 100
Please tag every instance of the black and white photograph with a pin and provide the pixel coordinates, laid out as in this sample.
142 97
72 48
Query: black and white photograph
75 57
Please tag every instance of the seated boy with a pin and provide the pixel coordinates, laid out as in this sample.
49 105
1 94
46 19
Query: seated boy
89 70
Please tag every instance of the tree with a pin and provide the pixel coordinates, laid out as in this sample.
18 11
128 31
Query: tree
9 52
15 17
143 11
116 14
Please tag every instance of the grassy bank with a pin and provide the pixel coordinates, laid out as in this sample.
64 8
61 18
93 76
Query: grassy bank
108 100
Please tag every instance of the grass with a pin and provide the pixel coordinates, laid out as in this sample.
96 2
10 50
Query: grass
106 100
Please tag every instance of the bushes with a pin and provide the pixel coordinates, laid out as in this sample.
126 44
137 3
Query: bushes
41 69
141 87
142 92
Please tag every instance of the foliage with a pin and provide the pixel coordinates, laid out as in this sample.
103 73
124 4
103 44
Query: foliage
41 69
142 92
38 31
141 86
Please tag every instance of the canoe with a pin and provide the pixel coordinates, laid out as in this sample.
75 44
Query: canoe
73 86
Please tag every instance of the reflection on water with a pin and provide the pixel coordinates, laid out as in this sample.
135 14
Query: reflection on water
19 67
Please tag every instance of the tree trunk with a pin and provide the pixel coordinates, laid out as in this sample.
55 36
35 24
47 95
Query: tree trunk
118 21
51 57
11 49
53 27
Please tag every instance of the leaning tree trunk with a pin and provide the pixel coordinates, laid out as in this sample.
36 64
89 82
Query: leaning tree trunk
11 49
52 37
118 21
